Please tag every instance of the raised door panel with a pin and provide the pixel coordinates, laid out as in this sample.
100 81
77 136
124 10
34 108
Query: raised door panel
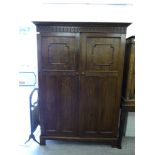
59 104
101 52
59 52
98 106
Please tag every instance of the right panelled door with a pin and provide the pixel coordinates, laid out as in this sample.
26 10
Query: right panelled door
100 84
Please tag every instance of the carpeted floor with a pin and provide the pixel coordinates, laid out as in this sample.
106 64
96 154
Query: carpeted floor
75 148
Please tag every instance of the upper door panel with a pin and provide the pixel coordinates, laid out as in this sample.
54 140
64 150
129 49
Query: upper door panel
101 52
59 52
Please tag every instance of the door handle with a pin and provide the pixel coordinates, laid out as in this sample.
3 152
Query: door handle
83 73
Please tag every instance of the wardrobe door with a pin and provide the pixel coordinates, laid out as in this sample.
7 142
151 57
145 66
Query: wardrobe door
100 84
59 84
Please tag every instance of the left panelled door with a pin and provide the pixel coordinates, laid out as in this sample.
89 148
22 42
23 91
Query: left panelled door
59 84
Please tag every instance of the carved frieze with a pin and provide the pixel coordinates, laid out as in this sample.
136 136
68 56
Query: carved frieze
77 29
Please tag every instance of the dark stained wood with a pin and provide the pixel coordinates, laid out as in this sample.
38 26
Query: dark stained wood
58 84
85 139
128 105
98 102
128 89
60 104
59 52
123 119
99 86
78 27
80 79
42 141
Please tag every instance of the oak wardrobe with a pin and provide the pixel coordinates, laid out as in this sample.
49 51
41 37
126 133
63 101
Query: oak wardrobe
80 70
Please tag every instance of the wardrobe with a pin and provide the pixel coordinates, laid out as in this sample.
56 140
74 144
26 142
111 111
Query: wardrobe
80 71
128 86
